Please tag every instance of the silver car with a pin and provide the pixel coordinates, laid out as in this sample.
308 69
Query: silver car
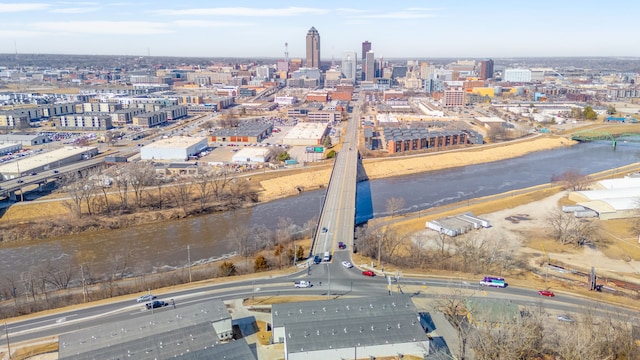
145 298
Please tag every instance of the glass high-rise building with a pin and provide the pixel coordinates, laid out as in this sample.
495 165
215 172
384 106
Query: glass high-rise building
313 48
348 65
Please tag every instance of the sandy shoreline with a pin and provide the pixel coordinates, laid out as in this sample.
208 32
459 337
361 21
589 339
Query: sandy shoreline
288 185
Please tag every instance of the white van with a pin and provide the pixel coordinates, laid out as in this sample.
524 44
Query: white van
327 256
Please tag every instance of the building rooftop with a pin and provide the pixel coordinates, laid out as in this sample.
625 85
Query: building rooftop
325 310
306 131
246 129
346 332
164 333
174 142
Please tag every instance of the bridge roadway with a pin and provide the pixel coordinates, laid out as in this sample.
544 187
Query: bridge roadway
337 218
18 184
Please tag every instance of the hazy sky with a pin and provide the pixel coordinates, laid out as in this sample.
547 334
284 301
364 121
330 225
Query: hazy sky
252 28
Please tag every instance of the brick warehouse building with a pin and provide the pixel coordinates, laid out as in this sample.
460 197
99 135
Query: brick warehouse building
399 140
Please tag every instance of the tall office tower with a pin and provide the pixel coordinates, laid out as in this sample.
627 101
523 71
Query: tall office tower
366 47
313 48
486 69
348 65
370 66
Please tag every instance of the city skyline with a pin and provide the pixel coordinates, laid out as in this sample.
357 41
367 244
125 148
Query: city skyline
401 29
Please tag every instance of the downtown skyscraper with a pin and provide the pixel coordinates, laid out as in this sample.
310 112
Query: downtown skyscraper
313 48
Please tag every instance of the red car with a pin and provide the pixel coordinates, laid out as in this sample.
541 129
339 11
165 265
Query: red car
546 293
368 273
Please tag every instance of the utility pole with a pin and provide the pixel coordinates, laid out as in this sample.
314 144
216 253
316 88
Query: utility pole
189 260
6 333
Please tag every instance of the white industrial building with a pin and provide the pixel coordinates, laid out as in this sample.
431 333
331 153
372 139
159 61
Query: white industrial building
178 148
612 198
9 148
306 134
358 328
46 160
24 139
251 155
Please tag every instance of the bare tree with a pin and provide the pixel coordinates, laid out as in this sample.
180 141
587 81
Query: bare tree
455 309
73 185
567 229
122 181
58 276
219 182
181 193
572 180
521 337
140 175
394 205
242 237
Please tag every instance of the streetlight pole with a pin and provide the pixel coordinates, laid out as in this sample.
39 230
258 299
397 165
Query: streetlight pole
6 332
189 260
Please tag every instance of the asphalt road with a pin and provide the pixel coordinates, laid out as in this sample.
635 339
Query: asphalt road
330 281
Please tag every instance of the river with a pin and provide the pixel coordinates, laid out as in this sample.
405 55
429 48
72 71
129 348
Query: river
152 247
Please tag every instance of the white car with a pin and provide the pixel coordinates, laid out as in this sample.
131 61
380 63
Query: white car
347 264
302 284
145 298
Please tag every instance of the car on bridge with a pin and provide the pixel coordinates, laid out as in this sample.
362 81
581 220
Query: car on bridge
342 245
302 284
368 273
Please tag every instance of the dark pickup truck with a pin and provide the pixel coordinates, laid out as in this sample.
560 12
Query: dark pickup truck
156 304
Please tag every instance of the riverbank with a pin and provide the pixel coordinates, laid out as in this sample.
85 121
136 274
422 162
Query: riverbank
276 185
289 185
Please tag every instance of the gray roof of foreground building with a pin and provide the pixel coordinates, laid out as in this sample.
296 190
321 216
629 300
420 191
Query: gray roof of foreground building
186 328
348 333
353 308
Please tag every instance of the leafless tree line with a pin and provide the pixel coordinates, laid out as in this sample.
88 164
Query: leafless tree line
133 186
530 334
66 281
470 253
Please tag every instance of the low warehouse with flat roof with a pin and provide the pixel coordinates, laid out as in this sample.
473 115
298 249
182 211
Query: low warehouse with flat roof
252 155
177 148
306 134
245 132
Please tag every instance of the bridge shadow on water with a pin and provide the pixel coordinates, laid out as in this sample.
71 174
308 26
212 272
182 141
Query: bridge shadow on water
364 201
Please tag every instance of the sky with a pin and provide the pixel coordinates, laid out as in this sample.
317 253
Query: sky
260 28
